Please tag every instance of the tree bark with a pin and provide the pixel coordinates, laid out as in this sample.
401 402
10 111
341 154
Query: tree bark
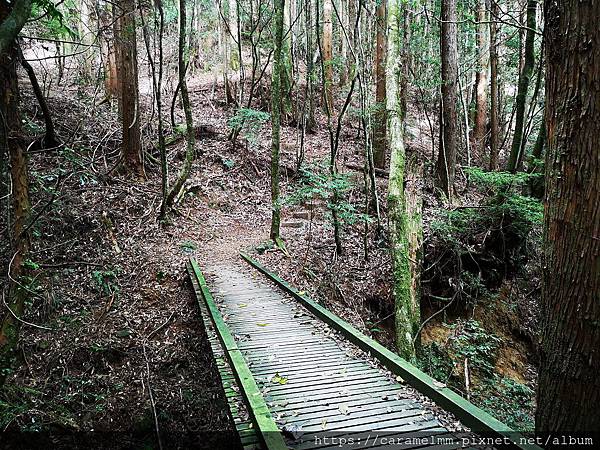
517 147
276 121
446 163
327 53
494 105
404 218
310 68
107 37
131 147
569 386
481 89
379 119
14 16
12 147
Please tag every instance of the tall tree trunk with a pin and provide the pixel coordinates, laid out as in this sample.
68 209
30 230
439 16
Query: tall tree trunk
569 386
276 121
344 25
233 35
518 144
107 37
12 149
446 163
327 53
379 119
494 105
481 89
157 84
310 68
190 133
225 45
286 63
85 28
131 147
404 219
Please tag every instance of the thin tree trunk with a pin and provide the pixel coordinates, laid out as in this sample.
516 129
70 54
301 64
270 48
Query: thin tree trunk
569 386
379 119
536 185
190 133
276 89
86 38
446 163
494 104
107 38
327 53
517 147
50 138
310 68
481 89
157 83
131 147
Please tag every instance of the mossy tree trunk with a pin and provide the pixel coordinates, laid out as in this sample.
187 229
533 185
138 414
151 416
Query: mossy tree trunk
12 149
190 133
517 148
403 211
569 383
276 121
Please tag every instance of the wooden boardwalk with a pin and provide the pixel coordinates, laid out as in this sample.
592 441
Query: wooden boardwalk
316 385
312 383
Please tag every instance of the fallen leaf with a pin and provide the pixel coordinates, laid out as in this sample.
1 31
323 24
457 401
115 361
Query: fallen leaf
279 379
260 324
242 305
344 409
324 424
439 385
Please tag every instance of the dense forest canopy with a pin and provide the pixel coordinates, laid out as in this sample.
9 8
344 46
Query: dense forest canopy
429 170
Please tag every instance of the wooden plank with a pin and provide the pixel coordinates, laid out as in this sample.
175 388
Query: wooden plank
313 384
301 360
469 414
303 347
376 393
354 410
261 416
300 377
326 366
358 417
327 388
372 423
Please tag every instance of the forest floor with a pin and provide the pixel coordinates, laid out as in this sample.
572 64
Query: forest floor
117 344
